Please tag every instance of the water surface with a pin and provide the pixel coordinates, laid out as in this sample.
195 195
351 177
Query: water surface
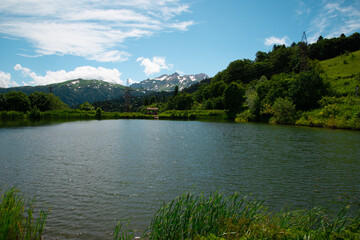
94 173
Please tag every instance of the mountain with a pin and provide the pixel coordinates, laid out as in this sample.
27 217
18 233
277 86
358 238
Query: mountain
77 91
168 82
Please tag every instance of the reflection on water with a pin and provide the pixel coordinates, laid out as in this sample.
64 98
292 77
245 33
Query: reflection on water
94 173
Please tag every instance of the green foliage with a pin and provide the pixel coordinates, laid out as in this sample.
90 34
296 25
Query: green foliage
307 89
86 107
12 116
17 219
46 101
34 114
194 114
2 102
183 101
123 234
17 101
189 216
335 112
98 114
234 98
283 111
40 101
214 103
176 90
329 48
235 217
343 79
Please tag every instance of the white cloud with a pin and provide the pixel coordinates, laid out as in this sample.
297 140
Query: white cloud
84 72
274 40
153 66
5 80
93 29
335 18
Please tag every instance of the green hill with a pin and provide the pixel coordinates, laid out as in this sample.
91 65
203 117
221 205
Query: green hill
343 73
78 91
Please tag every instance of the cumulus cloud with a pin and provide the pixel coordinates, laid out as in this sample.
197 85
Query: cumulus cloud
153 66
335 18
5 80
274 40
93 29
84 72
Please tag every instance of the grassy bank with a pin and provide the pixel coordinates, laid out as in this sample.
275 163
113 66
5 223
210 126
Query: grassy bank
217 217
69 115
342 112
18 217
213 217
88 115
194 114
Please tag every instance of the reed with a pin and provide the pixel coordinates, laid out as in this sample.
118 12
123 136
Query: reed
19 220
217 217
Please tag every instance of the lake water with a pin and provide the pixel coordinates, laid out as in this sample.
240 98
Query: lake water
94 173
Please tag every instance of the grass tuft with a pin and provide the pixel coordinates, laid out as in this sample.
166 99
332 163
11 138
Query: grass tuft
217 217
19 220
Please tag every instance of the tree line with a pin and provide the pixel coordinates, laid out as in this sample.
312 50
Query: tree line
270 87
19 101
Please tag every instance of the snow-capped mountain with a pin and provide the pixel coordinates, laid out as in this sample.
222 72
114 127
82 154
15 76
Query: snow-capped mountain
168 82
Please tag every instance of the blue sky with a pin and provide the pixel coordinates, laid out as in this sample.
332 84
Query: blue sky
43 42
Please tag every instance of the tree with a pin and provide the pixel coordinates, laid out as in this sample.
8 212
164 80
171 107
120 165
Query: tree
2 102
307 89
182 101
261 56
46 101
17 101
233 98
56 103
98 114
176 90
40 101
283 111
86 107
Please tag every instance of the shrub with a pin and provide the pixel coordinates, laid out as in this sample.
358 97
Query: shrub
283 111
98 114
34 114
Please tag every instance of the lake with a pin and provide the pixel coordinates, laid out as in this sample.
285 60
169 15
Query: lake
94 173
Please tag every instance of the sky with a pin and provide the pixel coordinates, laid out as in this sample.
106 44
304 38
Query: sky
50 41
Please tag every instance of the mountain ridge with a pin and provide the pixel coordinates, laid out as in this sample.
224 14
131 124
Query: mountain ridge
168 82
77 91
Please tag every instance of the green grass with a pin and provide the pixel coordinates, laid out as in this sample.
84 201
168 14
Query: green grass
335 112
71 115
194 114
343 72
235 217
18 219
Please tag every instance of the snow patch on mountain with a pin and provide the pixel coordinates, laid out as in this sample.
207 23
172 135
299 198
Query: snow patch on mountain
168 82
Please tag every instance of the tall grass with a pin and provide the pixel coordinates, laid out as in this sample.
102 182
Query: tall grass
236 217
194 114
19 220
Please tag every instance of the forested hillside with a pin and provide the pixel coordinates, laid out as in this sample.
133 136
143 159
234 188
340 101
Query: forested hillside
78 91
274 88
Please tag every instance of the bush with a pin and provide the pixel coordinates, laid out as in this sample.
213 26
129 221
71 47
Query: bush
34 114
283 111
98 113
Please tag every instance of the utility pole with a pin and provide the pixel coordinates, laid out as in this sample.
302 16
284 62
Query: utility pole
303 53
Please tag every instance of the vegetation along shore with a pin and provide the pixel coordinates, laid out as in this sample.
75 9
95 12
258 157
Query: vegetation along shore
278 87
191 216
